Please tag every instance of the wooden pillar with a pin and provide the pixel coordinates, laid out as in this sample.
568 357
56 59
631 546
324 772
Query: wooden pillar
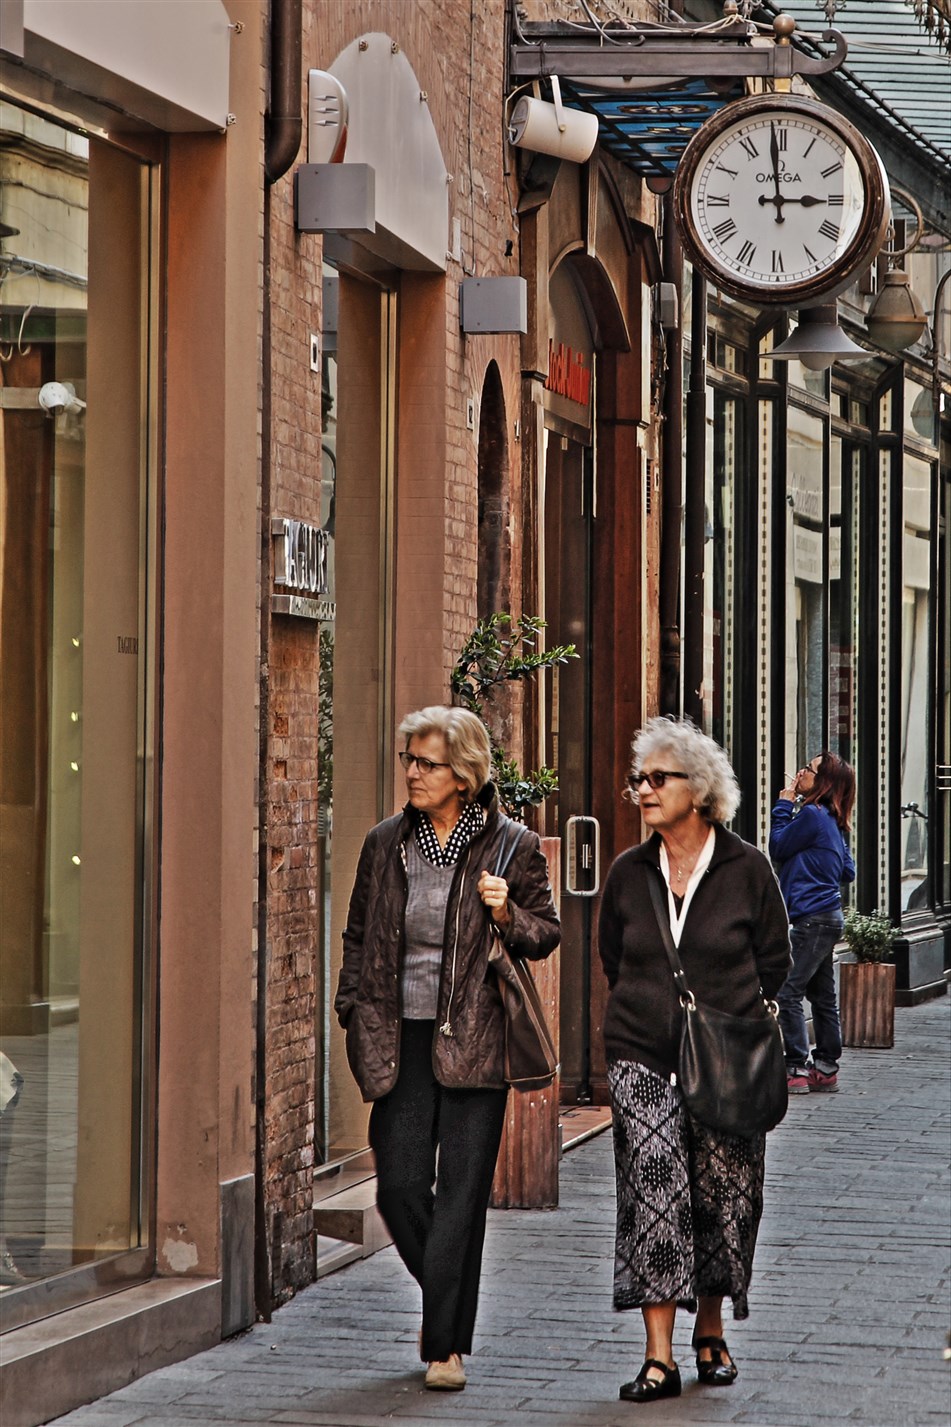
526 1173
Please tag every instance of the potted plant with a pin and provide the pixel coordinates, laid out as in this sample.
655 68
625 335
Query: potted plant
500 651
867 984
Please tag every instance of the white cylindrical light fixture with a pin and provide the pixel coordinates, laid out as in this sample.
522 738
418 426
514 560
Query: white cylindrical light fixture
564 133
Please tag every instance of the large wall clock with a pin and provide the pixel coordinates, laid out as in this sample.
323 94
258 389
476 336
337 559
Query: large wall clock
779 199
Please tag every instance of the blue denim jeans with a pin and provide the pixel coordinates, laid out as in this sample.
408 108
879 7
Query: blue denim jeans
813 940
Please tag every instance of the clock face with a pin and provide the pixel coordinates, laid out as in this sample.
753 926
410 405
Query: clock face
781 201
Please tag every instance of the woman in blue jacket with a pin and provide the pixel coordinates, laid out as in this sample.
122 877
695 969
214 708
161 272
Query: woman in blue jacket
807 844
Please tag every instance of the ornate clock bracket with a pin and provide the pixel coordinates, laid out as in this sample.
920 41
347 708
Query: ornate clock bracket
680 52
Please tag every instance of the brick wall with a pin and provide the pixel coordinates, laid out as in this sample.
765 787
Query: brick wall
289 690
456 51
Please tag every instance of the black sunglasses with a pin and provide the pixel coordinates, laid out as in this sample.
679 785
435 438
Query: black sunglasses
656 778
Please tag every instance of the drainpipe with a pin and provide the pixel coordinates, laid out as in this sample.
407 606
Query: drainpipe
282 137
694 509
671 485
282 122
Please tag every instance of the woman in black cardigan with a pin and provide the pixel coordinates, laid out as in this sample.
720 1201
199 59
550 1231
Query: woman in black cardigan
689 1199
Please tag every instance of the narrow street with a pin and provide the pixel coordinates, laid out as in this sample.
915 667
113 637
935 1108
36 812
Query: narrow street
849 1307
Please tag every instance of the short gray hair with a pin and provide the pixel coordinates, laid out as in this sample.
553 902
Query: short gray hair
467 741
710 776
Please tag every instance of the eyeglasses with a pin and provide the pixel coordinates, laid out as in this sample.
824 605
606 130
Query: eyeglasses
656 778
425 765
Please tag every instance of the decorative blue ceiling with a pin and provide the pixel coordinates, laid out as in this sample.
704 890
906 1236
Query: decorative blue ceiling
648 129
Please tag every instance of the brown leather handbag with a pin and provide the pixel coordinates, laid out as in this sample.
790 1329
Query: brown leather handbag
531 1062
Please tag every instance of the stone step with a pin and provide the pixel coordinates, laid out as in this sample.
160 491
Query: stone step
352 1218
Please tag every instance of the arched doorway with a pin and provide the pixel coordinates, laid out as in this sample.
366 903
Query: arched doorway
494 537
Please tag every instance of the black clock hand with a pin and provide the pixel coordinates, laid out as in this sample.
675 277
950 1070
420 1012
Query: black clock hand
807 200
774 158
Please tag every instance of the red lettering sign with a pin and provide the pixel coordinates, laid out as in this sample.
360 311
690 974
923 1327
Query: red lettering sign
567 374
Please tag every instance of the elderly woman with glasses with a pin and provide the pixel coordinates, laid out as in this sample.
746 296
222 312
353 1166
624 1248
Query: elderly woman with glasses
423 1015
689 1198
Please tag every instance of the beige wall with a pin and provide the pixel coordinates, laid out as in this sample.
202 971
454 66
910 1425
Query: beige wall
110 523
205 1125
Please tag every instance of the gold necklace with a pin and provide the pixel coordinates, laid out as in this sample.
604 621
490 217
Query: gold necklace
680 873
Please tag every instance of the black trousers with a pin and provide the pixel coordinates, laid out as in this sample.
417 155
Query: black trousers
436 1211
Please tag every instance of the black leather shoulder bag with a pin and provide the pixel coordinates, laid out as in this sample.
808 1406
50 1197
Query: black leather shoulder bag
732 1069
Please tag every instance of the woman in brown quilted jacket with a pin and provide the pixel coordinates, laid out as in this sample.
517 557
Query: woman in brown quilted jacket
423 1016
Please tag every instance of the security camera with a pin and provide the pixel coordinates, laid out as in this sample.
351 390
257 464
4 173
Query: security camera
55 397
551 128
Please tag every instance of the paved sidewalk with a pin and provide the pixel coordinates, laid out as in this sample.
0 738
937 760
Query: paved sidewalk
849 1307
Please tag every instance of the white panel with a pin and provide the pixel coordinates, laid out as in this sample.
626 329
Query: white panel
392 130
164 62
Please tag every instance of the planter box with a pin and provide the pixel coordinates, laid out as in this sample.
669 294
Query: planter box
867 1004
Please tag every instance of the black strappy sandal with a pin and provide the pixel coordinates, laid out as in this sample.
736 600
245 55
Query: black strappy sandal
651 1389
715 1372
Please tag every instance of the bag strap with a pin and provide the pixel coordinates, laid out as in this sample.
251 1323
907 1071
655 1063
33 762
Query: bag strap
511 837
676 965
660 912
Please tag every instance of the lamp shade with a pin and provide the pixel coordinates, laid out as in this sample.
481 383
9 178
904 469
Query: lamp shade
818 341
896 318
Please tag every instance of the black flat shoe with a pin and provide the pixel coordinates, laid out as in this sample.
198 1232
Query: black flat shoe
714 1372
650 1389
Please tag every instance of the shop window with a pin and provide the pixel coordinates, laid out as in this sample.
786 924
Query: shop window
941 852
845 482
916 733
805 644
723 591
75 392
355 724
919 410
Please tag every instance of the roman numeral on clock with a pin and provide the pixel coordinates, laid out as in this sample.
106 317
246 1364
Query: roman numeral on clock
778 261
750 148
835 200
724 230
745 254
833 168
829 230
718 200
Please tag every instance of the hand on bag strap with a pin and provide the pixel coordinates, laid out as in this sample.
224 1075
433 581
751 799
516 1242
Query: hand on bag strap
511 837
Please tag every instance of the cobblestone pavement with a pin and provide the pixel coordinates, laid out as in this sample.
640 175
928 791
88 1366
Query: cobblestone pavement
849 1307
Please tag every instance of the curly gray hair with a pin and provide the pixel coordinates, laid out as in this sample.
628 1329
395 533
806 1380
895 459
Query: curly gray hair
710 777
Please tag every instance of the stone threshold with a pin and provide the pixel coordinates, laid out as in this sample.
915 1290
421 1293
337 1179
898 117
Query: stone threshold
77 1356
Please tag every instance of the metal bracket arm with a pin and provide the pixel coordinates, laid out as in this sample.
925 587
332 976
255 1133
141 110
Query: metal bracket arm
675 54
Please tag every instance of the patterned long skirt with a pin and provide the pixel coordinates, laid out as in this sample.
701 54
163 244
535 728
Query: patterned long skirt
689 1200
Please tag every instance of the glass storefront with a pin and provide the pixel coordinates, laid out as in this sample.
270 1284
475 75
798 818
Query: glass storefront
843 535
805 589
355 715
916 678
77 320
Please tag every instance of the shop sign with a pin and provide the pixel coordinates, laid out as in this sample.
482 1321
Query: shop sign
300 566
807 555
569 384
567 374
